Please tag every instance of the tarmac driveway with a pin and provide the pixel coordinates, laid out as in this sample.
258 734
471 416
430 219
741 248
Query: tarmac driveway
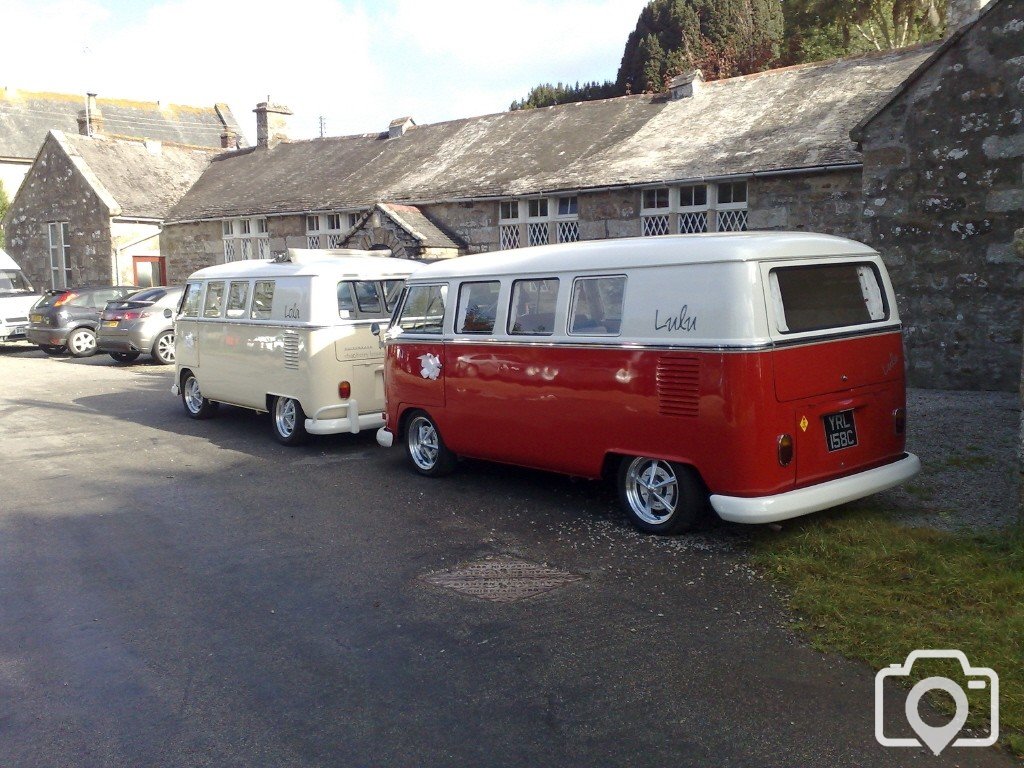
188 593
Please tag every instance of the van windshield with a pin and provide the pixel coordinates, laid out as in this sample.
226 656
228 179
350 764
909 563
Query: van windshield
13 281
822 296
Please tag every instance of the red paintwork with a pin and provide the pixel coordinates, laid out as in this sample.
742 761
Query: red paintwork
566 408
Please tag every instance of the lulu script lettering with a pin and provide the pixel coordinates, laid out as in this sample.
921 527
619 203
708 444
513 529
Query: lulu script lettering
673 323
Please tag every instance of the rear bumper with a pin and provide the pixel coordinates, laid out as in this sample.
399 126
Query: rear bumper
47 336
814 498
123 342
353 421
12 332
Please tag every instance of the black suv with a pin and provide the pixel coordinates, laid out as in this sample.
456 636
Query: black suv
65 319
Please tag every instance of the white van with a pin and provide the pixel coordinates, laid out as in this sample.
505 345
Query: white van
290 337
16 298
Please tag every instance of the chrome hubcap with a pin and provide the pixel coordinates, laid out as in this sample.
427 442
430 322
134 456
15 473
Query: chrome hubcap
652 490
423 443
193 397
165 348
82 341
284 416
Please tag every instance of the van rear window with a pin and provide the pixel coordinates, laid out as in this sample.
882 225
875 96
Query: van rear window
821 296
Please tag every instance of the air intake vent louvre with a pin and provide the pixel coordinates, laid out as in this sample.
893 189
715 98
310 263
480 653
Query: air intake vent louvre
678 379
291 350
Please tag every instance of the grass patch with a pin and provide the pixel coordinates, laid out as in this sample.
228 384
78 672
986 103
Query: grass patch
973 461
874 590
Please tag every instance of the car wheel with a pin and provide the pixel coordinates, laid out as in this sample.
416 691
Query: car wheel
82 342
425 449
660 496
51 350
288 421
196 406
163 349
125 357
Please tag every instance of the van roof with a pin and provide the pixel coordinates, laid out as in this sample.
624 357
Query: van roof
335 267
616 254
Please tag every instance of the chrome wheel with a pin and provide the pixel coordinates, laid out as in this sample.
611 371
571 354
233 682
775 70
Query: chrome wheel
652 490
82 342
163 351
285 416
425 447
423 443
194 400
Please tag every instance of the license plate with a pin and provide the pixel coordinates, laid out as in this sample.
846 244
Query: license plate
110 323
840 430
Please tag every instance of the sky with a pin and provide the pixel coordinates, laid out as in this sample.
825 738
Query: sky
358 64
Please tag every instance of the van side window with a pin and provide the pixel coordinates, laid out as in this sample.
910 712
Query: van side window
820 296
190 300
346 300
367 297
533 307
478 305
214 299
392 292
423 311
262 299
238 297
596 308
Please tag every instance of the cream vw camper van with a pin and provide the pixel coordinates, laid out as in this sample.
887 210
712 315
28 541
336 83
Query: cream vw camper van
290 337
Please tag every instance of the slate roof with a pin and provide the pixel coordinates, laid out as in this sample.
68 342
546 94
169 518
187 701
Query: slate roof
25 118
412 220
142 179
797 117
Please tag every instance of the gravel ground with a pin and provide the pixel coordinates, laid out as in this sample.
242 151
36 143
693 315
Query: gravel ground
967 442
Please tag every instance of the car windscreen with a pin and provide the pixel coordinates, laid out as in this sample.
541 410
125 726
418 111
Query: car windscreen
823 296
13 281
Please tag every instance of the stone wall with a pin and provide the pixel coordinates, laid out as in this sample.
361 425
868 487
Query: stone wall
55 191
822 202
943 194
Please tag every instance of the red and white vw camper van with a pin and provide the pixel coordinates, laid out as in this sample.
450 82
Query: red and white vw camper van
761 370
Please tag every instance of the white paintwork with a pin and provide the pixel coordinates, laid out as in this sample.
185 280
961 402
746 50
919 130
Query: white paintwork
715 279
14 305
814 498
242 362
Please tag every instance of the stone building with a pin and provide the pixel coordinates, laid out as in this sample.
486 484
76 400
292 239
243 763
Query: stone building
770 150
26 117
90 209
943 194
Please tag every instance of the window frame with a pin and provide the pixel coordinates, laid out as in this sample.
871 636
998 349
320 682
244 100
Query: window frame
573 299
459 322
512 315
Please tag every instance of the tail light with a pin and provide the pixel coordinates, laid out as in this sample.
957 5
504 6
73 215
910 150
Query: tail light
65 298
344 390
899 420
785 446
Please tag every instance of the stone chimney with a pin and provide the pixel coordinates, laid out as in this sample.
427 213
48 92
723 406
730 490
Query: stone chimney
228 139
961 12
399 126
271 124
686 85
90 119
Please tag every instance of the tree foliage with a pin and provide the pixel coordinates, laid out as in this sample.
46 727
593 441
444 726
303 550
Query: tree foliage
725 38
5 203
547 95
722 38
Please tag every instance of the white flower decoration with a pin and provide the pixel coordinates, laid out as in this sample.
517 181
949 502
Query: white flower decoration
431 366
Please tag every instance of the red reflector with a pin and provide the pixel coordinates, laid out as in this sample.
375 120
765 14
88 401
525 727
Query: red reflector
344 390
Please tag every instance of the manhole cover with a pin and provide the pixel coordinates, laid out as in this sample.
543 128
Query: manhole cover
502 579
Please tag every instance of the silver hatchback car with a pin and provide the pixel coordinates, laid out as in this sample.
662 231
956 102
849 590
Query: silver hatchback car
140 323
